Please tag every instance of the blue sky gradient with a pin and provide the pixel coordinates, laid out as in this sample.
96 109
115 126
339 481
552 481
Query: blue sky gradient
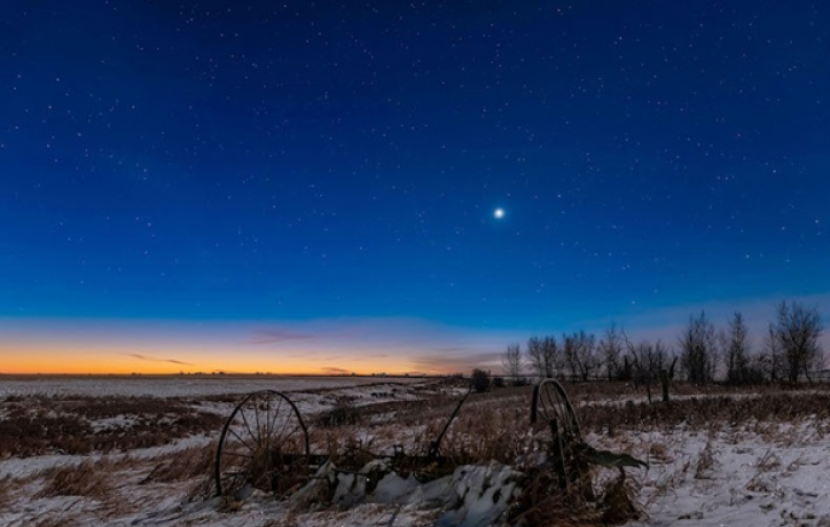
247 163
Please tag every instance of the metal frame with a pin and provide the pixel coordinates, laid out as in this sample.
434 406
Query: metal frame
276 467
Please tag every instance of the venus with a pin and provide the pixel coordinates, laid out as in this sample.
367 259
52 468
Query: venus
498 214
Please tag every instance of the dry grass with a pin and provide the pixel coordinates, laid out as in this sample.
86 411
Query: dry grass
60 521
768 462
42 425
344 412
89 479
705 462
587 392
496 437
5 489
705 412
659 453
290 521
588 502
182 465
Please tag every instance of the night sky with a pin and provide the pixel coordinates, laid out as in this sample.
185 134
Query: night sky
313 186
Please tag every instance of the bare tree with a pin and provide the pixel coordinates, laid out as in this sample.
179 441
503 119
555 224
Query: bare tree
797 330
610 351
535 356
651 362
627 371
578 349
512 362
542 353
736 347
698 349
665 370
650 358
771 360
552 354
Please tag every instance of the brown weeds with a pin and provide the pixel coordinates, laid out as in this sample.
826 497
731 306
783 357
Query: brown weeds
475 437
81 425
5 489
60 521
705 462
703 412
182 465
544 502
89 479
769 461
659 453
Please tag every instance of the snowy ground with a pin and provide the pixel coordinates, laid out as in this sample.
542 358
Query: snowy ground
752 473
744 476
174 386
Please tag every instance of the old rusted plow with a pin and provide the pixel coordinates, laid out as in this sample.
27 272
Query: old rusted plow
265 445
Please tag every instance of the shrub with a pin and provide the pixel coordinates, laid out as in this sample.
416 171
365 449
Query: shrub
480 380
344 412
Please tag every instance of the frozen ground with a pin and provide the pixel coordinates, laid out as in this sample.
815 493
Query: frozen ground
175 386
750 474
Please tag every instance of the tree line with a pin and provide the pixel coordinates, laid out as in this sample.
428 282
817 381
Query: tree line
791 350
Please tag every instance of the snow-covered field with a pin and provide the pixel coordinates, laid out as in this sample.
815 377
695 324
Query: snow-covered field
174 386
737 476
740 472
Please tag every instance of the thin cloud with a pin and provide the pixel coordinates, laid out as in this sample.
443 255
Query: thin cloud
460 361
271 336
154 359
332 370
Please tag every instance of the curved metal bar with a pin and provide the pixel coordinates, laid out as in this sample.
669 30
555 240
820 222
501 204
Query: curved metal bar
433 451
563 398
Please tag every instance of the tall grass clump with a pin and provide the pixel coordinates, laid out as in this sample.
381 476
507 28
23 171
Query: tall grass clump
88 479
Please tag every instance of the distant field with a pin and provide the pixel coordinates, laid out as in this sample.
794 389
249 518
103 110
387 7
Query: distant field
174 385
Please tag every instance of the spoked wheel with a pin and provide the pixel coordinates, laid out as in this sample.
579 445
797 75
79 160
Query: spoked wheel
552 406
553 409
264 445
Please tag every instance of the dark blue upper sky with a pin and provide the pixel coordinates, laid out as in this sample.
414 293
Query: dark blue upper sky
240 160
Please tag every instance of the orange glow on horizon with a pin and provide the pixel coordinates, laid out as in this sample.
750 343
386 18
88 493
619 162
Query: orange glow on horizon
323 347
102 359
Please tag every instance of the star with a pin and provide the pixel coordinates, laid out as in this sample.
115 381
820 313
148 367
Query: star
498 213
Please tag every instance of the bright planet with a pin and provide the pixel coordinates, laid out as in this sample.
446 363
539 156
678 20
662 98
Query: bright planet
498 213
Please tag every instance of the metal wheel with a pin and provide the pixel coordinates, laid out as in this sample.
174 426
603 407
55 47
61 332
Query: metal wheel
552 406
264 445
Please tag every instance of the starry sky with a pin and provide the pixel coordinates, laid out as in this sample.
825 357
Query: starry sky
312 186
